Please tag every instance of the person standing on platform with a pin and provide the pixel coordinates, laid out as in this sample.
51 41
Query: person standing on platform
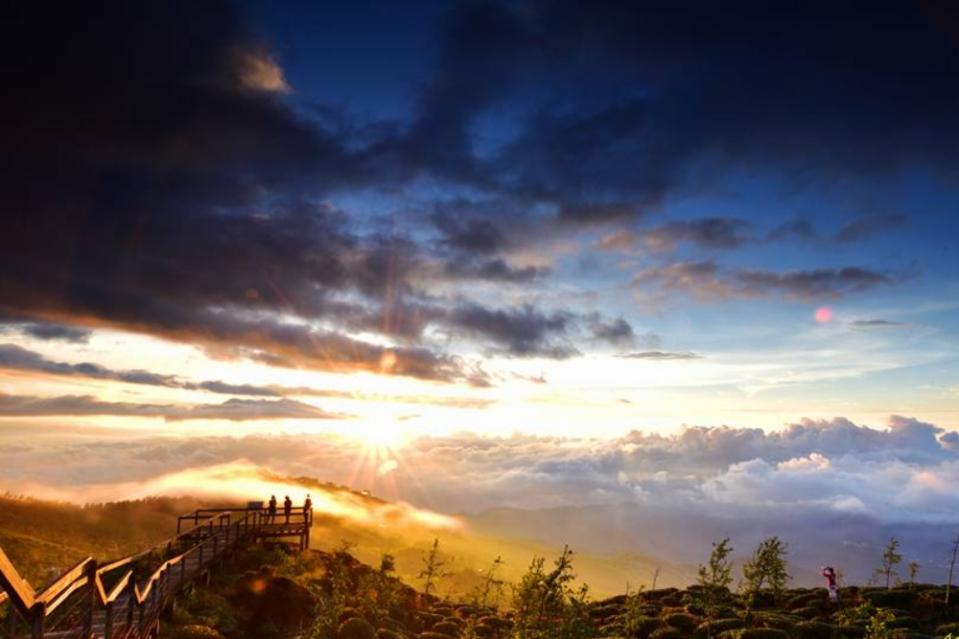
287 507
308 510
272 509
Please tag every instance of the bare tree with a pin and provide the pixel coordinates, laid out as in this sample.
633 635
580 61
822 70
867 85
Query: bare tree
655 577
952 566
890 559
913 571
433 567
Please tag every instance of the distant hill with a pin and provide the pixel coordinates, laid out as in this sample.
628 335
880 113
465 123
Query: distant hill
852 542
44 538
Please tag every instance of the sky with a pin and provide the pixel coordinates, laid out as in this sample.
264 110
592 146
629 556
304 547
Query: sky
552 245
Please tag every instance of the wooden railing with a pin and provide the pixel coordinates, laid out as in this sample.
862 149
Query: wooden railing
124 598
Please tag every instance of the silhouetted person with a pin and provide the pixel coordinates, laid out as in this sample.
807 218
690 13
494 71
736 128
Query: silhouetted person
308 510
272 508
287 507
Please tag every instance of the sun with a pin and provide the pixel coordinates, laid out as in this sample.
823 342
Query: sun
381 430
381 436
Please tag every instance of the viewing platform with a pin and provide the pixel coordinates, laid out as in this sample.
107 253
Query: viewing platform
124 598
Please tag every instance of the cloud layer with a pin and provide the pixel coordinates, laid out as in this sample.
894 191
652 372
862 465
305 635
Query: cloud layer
168 181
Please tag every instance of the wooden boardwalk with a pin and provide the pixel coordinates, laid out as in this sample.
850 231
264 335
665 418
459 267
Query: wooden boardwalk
124 599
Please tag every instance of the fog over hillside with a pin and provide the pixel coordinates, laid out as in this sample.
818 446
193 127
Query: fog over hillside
834 490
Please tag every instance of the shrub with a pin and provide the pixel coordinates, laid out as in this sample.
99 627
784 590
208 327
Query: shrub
383 633
641 626
195 632
446 628
815 630
948 629
895 598
682 621
852 631
355 628
909 623
804 600
777 620
760 633
718 626
806 613
667 633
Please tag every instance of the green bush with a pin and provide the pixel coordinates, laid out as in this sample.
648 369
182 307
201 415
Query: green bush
719 625
852 631
815 630
776 620
195 632
906 622
682 621
948 629
807 612
895 598
446 628
760 633
355 628
641 627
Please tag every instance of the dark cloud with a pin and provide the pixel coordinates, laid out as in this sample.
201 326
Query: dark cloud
661 355
710 232
708 281
471 236
706 94
157 178
494 270
180 196
522 332
797 228
13 356
874 323
57 332
617 332
868 225
232 409
224 388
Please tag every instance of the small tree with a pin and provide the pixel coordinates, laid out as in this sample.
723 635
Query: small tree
490 587
655 577
952 566
387 564
913 571
890 559
714 579
433 567
767 568
546 605
633 615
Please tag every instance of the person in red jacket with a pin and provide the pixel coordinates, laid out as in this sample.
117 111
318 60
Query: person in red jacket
830 574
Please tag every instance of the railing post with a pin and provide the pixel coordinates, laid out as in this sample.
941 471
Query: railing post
108 621
38 615
12 617
132 596
91 598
